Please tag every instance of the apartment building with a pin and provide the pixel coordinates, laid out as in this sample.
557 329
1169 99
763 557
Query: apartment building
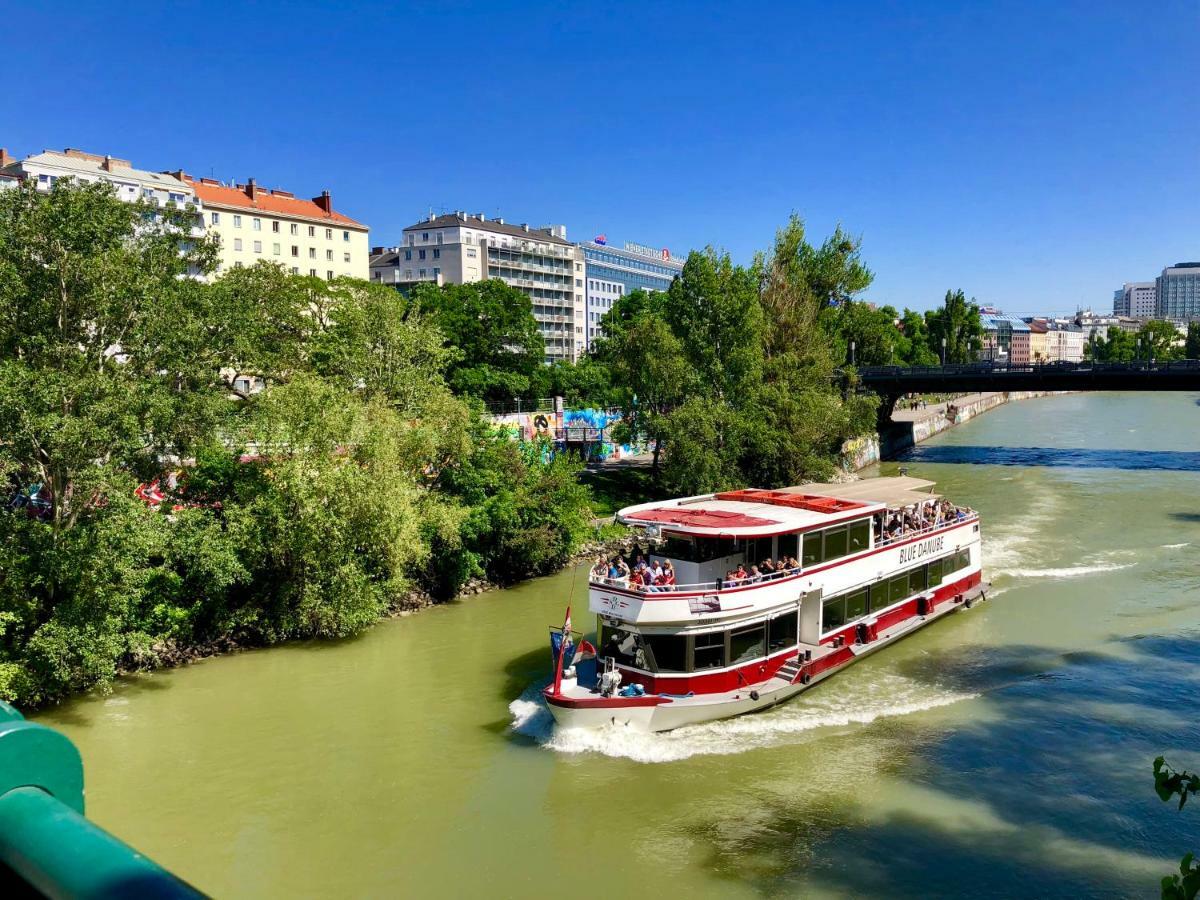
307 237
1005 338
611 273
459 248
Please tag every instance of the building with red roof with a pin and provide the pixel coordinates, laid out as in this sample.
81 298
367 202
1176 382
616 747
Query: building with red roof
308 237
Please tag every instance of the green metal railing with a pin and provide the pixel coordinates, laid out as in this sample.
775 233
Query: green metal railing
46 845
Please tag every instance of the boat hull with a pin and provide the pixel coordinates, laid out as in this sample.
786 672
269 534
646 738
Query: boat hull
656 713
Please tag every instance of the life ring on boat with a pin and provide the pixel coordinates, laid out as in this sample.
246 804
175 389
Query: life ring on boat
754 695
967 602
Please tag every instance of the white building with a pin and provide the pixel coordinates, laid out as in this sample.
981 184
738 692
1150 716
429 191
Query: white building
461 248
47 167
1064 344
1136 299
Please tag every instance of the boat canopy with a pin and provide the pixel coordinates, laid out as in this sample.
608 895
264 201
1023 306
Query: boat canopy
894 491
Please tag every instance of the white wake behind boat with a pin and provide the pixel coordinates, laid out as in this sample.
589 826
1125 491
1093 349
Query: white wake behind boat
863 565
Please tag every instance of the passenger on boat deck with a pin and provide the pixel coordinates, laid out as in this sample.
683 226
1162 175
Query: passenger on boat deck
668 577
768 567
618 569
793 563
755 575
741 574
600 569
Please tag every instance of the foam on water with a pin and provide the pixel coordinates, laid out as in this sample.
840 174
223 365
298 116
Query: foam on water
1064 572
863 702
1176 546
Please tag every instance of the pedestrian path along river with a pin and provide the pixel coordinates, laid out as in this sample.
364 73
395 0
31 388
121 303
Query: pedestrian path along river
1003 752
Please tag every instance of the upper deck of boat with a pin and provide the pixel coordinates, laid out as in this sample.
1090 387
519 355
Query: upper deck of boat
759 513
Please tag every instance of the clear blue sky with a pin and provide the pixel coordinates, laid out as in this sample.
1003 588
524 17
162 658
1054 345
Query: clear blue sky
1034 154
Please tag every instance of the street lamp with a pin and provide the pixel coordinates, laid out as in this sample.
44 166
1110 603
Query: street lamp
852 353
943 351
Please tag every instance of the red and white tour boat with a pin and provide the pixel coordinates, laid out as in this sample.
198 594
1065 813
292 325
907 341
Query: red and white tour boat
863 564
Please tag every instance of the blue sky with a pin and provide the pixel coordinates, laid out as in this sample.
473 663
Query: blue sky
1034 154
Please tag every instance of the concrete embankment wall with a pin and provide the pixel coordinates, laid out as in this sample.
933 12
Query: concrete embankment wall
862 452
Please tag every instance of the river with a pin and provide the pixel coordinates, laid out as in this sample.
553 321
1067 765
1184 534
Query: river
1005 751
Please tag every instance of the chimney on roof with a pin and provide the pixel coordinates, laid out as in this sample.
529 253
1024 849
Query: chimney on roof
481 217
325 201
180 174
111 164
499 221
5 159
524 227
251 188
80 154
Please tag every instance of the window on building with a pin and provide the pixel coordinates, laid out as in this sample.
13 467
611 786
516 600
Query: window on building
295 228
346 257
421 254
312 273
256 224
237 265
215 218
408 255
424 237
312 231
329 255
472 253
295 250
312 252
329 234
295 270
237 221
422 273
329 275
275 227
439 237
258 246
436 271
237 243
345 236
275 249
437 253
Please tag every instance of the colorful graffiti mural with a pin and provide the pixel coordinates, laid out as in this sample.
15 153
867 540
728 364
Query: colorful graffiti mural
585 431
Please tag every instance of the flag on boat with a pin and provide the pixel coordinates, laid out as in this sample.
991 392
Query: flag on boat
585 651
557 638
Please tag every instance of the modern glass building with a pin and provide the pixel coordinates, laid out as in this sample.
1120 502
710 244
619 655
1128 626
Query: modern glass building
610 273
1177 291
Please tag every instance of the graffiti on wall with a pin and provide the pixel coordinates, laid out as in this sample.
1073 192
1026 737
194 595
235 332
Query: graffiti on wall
585 431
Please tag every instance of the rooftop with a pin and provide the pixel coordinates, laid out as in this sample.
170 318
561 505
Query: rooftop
251 197
96 166
754 512
481 221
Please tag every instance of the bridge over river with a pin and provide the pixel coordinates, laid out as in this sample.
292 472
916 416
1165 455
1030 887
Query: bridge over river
892 382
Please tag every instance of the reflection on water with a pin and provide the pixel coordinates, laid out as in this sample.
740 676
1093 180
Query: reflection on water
1005 751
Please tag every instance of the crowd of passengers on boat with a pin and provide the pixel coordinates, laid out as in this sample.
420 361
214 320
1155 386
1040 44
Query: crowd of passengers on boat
658 574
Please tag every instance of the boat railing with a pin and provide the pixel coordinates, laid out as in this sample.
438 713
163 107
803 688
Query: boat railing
961 514
717 585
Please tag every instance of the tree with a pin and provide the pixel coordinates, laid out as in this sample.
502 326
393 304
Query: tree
1118 346
1158 340
491 324
1191 345
958 324
1169 784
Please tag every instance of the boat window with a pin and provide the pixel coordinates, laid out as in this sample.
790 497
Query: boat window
789 545
624 646
666 652
834 614
747 644
781 632
898 588
879 595
917 580
760 550
679 548
964 559
859 535
709 650
812 549
836 542
856 605
935 573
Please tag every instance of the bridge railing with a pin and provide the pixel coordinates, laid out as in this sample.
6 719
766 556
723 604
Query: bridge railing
989 368
45 842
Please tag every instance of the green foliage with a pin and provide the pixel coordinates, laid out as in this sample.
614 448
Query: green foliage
306 510
1191 344
1168 784
957 323
500 349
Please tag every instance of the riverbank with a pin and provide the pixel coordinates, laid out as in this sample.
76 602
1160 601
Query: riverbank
910 427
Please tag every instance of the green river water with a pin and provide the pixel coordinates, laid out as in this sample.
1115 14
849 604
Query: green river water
1004 751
